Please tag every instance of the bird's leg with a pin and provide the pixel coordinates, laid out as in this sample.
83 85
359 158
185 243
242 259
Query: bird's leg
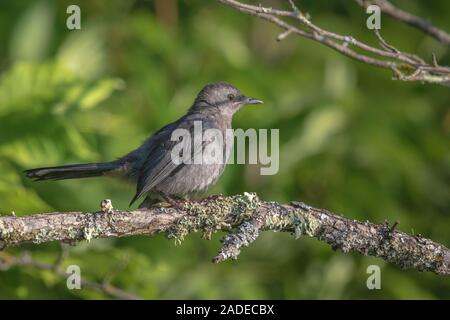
148 202
173 200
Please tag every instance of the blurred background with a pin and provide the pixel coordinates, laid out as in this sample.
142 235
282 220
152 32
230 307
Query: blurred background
351 140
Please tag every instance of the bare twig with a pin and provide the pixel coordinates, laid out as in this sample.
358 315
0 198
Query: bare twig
62 256
8 261
244 216
405 66
406 17
119 268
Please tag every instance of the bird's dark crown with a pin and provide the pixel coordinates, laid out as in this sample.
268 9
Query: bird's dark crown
218 94
221 97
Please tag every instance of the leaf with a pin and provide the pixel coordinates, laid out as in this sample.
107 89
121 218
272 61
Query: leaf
31 37
101 91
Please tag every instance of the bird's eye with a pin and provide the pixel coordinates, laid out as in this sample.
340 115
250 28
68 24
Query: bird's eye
230 96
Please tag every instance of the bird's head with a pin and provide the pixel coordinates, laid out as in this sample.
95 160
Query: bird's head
222 97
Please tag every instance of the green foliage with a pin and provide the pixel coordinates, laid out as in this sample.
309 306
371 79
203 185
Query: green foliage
34 102
352 141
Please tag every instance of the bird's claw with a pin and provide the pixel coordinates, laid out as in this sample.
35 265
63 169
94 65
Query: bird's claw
161 205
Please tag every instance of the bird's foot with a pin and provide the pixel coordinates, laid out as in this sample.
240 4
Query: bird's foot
173 201
167 202
161 205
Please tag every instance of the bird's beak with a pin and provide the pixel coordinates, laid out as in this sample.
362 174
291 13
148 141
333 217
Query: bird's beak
247 100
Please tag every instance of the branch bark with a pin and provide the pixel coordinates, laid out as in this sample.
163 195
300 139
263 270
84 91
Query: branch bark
405 66
408 18
243 217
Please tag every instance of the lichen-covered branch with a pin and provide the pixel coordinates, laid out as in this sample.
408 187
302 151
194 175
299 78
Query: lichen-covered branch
243 216
404 66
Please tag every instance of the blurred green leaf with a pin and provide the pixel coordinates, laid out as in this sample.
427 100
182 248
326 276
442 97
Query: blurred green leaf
31 36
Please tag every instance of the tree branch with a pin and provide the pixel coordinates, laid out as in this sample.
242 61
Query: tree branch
408 18
405 66
244 217
8 261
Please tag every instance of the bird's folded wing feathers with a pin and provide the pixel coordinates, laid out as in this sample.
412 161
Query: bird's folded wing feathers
159 163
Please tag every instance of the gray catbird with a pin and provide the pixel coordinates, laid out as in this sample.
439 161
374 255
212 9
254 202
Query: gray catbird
152 164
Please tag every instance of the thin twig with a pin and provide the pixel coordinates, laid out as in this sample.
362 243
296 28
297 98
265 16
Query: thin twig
406 17
8 261
405 66
62 256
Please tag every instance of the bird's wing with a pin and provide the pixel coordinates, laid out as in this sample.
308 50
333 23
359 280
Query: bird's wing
159 164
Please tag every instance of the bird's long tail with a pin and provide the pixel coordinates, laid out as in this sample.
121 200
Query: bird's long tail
72 171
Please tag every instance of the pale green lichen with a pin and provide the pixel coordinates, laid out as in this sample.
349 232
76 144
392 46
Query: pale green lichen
222 213
40 236
4 231
72 233
43 235
213 214
299 220
92 230
307 224
245 203
87 233
232 244
304 224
